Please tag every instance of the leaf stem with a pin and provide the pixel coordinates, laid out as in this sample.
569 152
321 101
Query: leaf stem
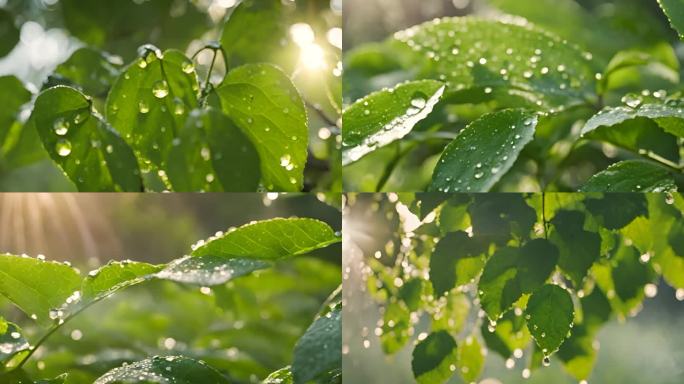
668 163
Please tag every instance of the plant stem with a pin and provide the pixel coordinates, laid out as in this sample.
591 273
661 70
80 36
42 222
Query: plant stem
53 330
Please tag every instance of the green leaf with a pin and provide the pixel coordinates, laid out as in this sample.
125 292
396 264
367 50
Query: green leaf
149 103
395 326
484 59
676 237
596 309
674 9
281 376
484 151
631 176
579 249
630 275
383 117
209 270
254 31
643 129
9 33
509 334
426 202
212 154
319 350
92 70
471 359
121 26
114 276
12 96
164 369
433 357
269 240
501 215
262 100
12 341
551 314
457 257
411 293
618 210
81 142
511 272
36 286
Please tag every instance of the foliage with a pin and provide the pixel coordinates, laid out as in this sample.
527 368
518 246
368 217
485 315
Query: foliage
54 295
519 275
530 102
231 116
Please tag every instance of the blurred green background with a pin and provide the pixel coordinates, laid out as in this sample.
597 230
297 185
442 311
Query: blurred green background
643 349
247 328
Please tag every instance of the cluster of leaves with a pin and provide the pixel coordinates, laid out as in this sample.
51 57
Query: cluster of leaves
53 293
525 102
520 275
150 125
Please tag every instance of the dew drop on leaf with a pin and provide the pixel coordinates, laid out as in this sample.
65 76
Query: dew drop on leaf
160 89
188 67
143 106
63 147
546 361
61 126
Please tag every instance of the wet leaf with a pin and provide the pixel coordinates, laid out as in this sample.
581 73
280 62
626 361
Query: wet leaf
212 154
319 350
433 357
484 151
254 31
383 117
674 9
579 248
209 270
529 64
83 144
164 369
262 100
456 258
12 341
551 313
149 103
631 176
36 286
512 272
269 240
644 128
619 210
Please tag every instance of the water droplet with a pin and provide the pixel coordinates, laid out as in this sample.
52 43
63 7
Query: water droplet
188 67
209 178
143 106
178 106
160 89
61 126
669 198
546 361
479 175
63 147
205 152
109 148
142 63
632 100
80 117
